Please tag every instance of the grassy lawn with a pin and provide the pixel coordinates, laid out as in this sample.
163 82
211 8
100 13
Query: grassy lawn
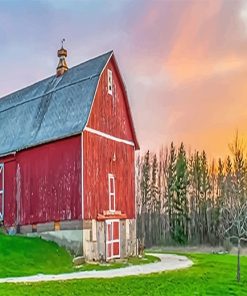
20 256
28 256
131 261
210 275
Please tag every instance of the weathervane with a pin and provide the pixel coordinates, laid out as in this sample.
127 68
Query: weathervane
62 42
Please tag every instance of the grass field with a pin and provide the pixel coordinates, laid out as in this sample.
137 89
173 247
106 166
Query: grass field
28 256
20 256
210 275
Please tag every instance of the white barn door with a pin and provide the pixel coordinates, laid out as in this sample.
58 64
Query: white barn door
112 239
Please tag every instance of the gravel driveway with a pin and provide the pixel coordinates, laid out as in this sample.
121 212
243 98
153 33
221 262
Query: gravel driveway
167 262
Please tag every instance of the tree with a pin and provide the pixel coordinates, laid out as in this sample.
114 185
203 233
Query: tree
234 209
145 192
180 211
204 197
171 173
154 190
234 216
194 196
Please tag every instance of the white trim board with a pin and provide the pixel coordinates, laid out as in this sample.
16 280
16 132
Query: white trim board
107 136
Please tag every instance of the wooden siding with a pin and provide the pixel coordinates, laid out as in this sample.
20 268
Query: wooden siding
109 113
110 116
9 191
43 183
98 163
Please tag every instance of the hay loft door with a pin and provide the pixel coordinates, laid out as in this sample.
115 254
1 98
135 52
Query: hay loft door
1 191
112 239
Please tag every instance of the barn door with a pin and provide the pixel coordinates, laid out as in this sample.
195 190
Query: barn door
1 191
112 239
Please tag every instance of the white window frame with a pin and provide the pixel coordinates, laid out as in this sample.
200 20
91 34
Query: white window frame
109 81
2 191
112 208
112 241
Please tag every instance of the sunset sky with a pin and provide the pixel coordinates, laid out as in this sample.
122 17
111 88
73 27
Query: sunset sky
184 62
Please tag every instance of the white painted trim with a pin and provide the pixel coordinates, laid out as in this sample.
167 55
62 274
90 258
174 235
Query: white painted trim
107 136
112 208
110 222
109 81
82 178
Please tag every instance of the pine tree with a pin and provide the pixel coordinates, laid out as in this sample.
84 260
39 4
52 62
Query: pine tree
195 189
204 192
171 174
180 207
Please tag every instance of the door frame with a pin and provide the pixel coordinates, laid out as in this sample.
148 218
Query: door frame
112 241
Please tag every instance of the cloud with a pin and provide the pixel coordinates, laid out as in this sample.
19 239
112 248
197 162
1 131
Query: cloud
184 62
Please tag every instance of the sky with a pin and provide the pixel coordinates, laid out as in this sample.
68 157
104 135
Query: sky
184 62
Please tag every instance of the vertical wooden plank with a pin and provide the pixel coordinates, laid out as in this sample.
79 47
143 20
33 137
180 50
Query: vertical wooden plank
50 180
98 163
109 113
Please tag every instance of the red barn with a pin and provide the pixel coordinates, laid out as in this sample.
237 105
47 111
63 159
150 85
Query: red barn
67 154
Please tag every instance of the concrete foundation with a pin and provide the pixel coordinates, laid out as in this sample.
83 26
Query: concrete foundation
94 240
86 238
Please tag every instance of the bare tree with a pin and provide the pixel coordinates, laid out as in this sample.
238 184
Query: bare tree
234 224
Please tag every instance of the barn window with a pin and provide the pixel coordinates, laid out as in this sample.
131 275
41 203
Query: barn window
1 191
112 195
109 82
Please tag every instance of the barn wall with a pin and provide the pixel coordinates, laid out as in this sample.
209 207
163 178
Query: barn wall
9 190
48 179
98 163
109 113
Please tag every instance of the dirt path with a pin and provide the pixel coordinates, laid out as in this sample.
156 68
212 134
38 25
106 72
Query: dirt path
168 262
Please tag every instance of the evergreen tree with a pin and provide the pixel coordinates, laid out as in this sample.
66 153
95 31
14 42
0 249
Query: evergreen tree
205 226
171 175
180 207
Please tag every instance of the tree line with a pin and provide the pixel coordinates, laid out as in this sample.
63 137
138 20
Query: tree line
183 198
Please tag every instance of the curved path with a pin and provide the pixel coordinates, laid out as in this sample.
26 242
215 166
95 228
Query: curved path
167 262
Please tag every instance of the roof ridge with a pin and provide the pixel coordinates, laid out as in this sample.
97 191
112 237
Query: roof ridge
50 91
53 76
50 109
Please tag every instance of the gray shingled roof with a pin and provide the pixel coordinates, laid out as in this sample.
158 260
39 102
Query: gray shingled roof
51 109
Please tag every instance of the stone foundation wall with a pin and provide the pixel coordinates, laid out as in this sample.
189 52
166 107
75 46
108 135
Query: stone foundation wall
131 240
87 238
94 240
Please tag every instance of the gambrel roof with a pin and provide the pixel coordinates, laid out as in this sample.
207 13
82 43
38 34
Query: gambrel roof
51 109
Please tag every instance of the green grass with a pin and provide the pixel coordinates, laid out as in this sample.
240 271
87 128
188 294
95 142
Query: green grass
119 264
210 275
27 256
21 256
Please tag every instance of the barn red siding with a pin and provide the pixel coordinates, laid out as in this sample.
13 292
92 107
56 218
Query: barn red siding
50 182
109 113
98 154
43 183
9 192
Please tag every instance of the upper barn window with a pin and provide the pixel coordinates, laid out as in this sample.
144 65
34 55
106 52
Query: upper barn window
112 194
109 78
